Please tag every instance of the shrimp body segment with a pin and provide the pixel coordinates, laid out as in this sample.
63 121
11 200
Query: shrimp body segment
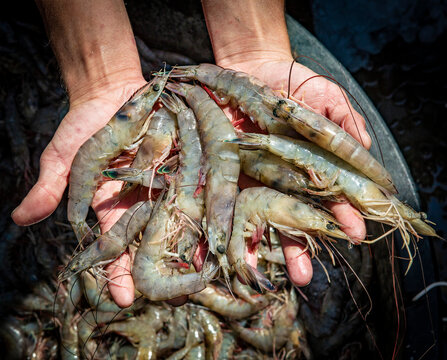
242 90
151 274
331 137
256 207
113 243
222 166
124 129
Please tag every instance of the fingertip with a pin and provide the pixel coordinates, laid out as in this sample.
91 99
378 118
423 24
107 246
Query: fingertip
298 261
352 221
121 285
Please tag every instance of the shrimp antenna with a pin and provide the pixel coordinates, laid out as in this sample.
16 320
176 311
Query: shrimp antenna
332 78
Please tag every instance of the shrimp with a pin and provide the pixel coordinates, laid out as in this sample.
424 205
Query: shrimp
193 343
221 302
228 346
279 174
278 116
177 332
113 243
156 144
241 90
126 127
222 168
257 206
274 337
363 193
188 200
151 275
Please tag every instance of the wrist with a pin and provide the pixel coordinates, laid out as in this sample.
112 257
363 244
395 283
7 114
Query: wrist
253 30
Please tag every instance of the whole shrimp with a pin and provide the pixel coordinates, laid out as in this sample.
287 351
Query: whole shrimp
256 207
113 243
189 201
278 115
123 130
364 194
152 276
222 167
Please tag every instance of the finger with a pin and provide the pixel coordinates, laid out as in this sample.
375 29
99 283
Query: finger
298 261
352 221
121 285
353 123
46 194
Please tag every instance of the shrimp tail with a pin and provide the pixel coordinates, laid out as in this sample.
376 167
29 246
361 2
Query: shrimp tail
172 102
253 277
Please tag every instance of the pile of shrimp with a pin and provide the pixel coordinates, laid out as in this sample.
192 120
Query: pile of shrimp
187 165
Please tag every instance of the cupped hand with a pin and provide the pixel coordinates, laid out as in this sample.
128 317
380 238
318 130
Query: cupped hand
326 98
87 114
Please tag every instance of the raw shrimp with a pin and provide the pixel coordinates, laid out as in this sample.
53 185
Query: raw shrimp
241 90
189 201
271 338
366 196
151 274
113 243
258 206
193 342
177 325
125 128
222 167
228 346
221 302
278 115
278 174
156 145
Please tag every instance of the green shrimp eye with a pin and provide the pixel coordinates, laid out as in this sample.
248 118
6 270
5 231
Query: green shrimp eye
156 87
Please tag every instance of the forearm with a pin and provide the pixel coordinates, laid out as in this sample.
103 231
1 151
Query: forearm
248 28
93 43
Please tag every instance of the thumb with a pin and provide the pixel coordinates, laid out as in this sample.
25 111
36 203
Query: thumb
46 194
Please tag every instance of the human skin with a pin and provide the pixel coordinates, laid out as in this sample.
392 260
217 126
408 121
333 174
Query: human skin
101 73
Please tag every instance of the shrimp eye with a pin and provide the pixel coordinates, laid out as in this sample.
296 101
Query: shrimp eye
156 87
281 102
221 249
423 216
331 226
